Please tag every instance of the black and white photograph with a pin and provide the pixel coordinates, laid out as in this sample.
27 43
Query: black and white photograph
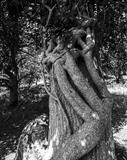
63 80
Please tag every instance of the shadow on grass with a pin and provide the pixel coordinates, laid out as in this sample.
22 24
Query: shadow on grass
12 123
121 152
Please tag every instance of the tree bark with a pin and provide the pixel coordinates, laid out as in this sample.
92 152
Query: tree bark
80 106
80 119
13 93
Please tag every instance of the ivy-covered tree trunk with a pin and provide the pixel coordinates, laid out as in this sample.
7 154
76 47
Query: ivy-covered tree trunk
80 105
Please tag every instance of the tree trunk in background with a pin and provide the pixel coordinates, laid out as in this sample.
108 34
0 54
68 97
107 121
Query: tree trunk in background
13 80
14 47
13 93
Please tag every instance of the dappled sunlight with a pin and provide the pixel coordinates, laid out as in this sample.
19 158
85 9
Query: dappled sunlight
121 135
37 151
117 88
10 156
119 112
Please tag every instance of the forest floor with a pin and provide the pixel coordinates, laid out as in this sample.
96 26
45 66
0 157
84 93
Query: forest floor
12 123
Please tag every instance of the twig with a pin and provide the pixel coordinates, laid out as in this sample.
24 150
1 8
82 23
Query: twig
50 13
52 57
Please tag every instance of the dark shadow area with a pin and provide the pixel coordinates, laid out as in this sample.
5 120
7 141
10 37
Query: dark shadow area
33 104
121 151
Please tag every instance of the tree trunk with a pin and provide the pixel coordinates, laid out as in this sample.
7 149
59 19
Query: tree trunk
65 122
14 69
80 106
80 110
13 93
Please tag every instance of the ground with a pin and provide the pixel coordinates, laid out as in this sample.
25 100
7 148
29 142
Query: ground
12 123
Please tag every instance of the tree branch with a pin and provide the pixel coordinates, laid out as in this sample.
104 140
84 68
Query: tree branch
53 56
87 55
92 70
78 33
50 14
82 84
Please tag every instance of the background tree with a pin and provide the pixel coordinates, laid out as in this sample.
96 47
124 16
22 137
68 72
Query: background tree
9 49
19 61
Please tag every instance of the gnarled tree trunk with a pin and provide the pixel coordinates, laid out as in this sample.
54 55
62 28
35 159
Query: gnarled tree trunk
80 106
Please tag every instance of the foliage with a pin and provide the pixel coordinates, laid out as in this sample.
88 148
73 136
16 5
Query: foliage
18 55
36 24
110 28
